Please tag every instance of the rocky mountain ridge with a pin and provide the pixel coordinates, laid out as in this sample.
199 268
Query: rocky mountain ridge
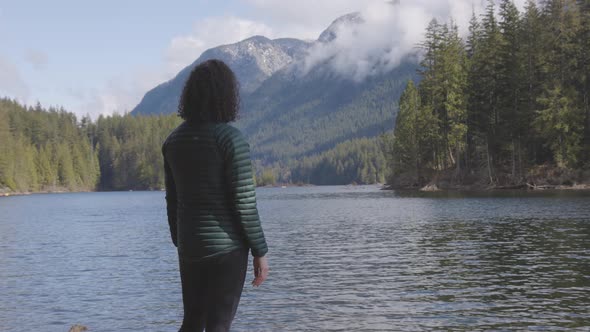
290 109
253 60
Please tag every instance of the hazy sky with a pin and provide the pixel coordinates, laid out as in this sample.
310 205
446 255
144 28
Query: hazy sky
96 57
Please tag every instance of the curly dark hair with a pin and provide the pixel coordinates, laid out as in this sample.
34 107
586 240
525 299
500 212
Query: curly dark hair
211 94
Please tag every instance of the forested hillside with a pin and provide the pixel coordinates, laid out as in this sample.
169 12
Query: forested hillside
360 161
45 150
129 150
492 108
292 117
51 150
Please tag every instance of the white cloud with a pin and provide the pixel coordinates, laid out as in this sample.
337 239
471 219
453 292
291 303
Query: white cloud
208 33
121 94
307 18
304 19
11 82
389 32
37 59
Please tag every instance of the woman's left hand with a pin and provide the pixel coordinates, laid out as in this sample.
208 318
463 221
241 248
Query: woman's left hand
260 270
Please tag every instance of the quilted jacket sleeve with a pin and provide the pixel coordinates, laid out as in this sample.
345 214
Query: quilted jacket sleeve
242 191
171 201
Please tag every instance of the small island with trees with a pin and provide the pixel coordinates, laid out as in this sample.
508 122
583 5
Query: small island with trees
507 108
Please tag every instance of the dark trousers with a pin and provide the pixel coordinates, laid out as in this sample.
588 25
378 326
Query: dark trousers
211 291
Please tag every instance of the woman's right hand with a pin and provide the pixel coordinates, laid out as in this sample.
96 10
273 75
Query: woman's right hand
260 270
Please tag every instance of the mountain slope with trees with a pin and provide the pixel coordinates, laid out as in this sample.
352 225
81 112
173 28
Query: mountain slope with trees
289 118
50 150
45 150
288 113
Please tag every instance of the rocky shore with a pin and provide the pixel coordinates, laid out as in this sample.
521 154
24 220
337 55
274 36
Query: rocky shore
538 178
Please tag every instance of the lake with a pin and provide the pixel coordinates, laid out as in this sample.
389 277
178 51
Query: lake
341 258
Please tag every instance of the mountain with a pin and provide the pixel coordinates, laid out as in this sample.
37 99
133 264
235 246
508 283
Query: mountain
290 117
253 60
291 110
331 32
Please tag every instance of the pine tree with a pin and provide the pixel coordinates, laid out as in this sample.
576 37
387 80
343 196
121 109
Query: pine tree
429 86
66 173
454 120
584 75
406 136
560 124
6 151
512 123
532 55
484 107
46 170
560 102
474 91
415 134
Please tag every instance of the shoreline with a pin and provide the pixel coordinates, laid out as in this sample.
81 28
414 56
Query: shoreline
28 193
540 178
428 188
488 189
50 192
476 188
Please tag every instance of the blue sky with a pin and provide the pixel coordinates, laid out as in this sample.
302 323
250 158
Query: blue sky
100 57
64 51
96 57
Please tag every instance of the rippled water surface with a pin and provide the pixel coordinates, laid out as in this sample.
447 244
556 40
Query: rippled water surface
342 259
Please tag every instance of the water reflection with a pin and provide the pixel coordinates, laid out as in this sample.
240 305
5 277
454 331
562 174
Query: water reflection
342 258
525 272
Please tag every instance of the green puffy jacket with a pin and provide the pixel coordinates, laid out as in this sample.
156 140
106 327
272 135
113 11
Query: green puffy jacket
210 194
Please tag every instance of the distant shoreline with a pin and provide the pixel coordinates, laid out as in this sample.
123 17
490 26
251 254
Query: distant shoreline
11 194
540 178
5 193
427 188
472 188
45 192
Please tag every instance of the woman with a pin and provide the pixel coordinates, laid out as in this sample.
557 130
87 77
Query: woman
211 200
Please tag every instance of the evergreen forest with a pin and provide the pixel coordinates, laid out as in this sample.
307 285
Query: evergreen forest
511 97
50 150
491 108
